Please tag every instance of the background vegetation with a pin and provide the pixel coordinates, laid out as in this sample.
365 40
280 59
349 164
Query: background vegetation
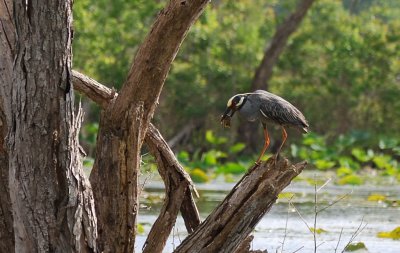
341 68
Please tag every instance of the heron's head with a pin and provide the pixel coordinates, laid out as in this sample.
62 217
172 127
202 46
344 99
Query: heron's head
234 103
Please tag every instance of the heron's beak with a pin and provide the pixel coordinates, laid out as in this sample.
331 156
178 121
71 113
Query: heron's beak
225 118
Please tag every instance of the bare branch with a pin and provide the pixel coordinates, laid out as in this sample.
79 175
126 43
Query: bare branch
359 229
340 236
100 94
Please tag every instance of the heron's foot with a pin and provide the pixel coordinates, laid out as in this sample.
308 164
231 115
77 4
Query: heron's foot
257 163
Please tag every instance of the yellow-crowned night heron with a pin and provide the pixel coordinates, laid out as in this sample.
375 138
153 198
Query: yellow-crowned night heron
267 108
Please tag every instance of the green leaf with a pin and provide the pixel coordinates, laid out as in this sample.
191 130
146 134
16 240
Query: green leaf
351 179
355 246
318 230
394 234
324 164
140 229
376 197
230 167
210 137
237 148
183 156
343 171
199 176
360 155
382 161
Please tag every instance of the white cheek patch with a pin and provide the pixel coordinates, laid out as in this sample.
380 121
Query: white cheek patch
230 102
240 102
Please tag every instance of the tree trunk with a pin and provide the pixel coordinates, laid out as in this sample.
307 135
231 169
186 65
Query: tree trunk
52 204
124 123
247 132
7 40
176 180
235 218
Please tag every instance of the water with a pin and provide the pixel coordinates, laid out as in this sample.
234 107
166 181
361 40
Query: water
346 216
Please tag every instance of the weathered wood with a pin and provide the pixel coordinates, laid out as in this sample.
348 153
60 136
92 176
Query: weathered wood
177 183
100 94
51 201
7 41
235 218
176 180
124 124
245 245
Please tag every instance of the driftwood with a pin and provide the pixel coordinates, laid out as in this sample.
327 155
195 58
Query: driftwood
234 219
177 181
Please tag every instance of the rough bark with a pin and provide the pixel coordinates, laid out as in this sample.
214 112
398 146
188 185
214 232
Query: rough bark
249 133
235 218
176 180
52 204
124 123
7 40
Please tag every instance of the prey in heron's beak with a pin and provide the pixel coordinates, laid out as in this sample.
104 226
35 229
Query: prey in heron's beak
226 117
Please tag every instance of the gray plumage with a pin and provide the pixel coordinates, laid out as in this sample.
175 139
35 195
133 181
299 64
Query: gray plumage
267 108
270 108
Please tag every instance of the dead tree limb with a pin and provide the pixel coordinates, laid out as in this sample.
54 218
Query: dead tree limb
177 182
234 219
176 185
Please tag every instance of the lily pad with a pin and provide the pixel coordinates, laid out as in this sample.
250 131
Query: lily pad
355 246
376 197
394 234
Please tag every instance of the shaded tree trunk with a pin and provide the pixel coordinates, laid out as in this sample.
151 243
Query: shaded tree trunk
247 132
7 40
52 203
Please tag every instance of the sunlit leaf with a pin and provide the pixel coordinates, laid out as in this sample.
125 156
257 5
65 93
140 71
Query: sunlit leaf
350 179
140 229
199 176
394 234
237 147
318 230
285 195
324 164
376 197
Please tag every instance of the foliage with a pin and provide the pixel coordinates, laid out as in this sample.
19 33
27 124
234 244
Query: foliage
394 234
348 153
214 161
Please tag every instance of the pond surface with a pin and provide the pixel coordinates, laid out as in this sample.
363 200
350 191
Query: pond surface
347 215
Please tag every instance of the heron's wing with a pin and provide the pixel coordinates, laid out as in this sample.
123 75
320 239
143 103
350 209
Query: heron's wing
281 111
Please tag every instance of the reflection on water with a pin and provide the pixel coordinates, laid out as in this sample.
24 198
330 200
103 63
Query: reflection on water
269 233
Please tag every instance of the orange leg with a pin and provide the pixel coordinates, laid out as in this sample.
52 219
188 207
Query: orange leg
284 137
266 143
